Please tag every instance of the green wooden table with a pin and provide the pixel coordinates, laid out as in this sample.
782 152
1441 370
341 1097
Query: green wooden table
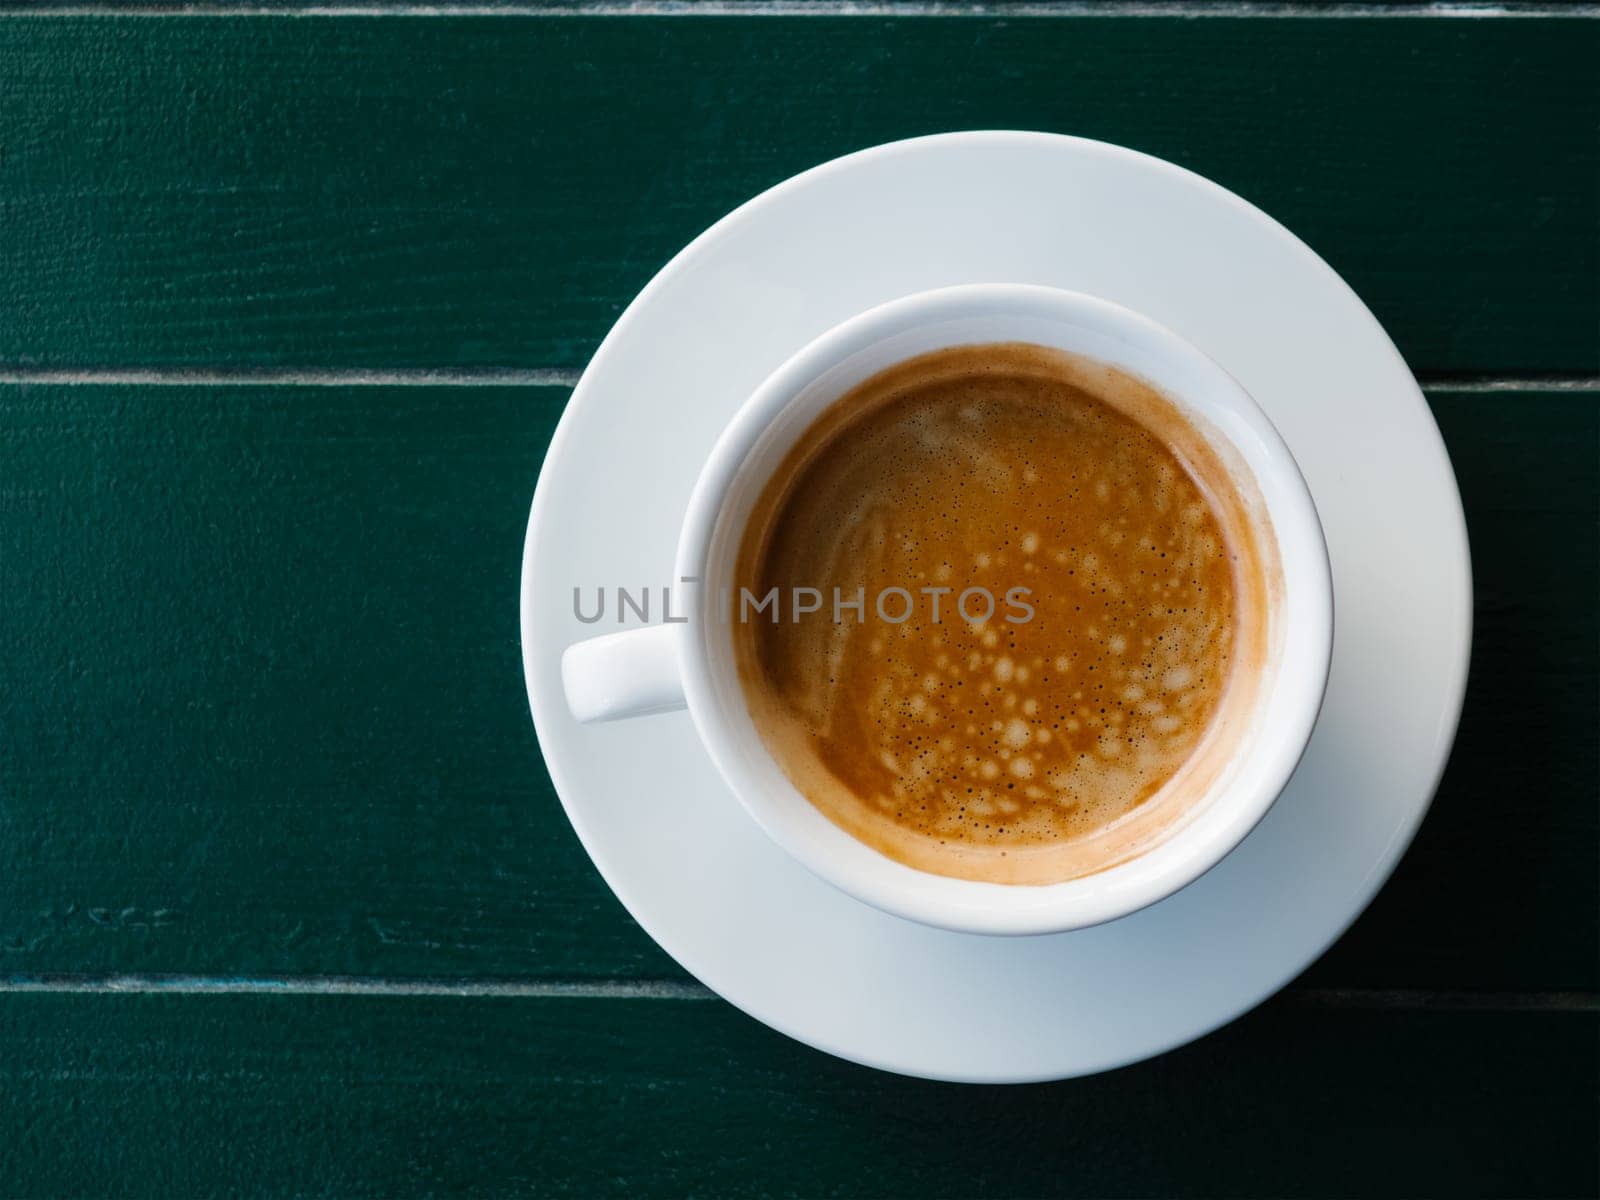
290 301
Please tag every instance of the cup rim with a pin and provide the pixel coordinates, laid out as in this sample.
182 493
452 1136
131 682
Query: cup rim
969 905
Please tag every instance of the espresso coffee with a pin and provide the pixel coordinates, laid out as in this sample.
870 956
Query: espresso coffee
1003 610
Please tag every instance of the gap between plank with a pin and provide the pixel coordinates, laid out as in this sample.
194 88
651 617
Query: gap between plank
669 989
348 985
1195 9
568 377
271 377
1531 383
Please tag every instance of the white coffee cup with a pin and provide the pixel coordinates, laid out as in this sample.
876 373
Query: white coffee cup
668 666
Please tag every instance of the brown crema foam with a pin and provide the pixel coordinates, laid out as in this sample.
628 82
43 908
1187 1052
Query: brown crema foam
1004 749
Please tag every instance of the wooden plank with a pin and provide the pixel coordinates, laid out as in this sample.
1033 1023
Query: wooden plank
1517 803
264 705
264 713
491 191
294 1095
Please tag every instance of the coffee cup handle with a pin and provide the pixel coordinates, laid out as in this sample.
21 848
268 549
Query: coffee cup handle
630 674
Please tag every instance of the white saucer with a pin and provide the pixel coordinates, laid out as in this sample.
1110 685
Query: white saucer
692 867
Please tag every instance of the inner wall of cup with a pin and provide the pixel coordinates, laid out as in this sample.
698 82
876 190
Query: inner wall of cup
1185 379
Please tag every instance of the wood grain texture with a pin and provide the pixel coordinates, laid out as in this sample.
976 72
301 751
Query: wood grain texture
191 1096
264 709
394 192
